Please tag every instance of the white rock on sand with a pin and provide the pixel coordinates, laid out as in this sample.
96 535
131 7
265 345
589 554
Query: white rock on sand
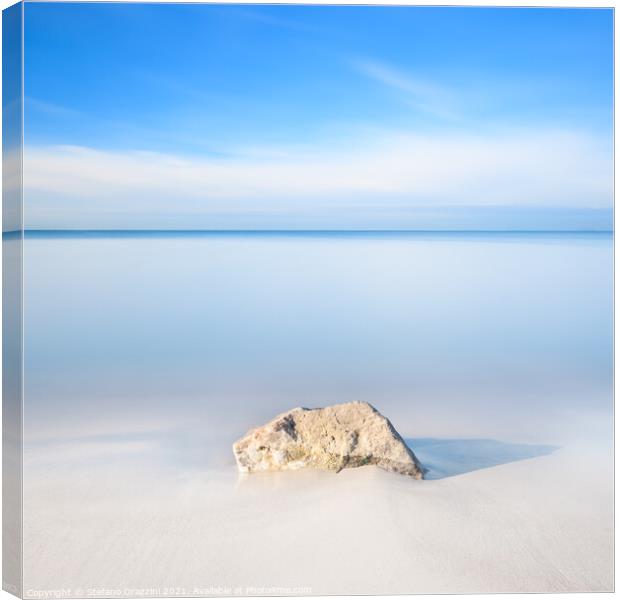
336 437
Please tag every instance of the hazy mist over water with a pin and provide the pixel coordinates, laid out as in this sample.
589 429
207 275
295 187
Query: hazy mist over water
507 336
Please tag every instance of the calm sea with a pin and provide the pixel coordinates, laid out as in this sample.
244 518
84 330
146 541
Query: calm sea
499 335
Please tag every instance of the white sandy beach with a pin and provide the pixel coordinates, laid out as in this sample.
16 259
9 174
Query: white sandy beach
117 524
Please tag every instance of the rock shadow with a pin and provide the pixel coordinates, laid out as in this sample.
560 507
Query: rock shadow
449 457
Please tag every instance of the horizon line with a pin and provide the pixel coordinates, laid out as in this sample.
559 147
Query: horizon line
293 231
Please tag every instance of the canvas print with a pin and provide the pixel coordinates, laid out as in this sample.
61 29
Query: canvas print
307 299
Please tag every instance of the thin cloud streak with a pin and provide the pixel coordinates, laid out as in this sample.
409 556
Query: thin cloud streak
421 95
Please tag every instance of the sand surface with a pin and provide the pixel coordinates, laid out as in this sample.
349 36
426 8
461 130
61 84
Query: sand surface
116 521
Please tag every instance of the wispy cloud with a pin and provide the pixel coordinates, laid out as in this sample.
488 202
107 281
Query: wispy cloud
373 174
51 109
524 167
264 18
418 93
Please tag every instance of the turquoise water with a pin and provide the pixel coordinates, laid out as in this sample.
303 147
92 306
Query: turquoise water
499 335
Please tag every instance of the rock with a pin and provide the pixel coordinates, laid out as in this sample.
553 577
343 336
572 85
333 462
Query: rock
336 437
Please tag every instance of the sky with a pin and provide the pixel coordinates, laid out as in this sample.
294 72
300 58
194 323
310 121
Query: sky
163 116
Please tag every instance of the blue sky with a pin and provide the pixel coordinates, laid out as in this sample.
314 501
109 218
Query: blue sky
243 116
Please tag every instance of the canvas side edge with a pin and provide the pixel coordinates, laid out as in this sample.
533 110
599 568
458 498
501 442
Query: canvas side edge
12 299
